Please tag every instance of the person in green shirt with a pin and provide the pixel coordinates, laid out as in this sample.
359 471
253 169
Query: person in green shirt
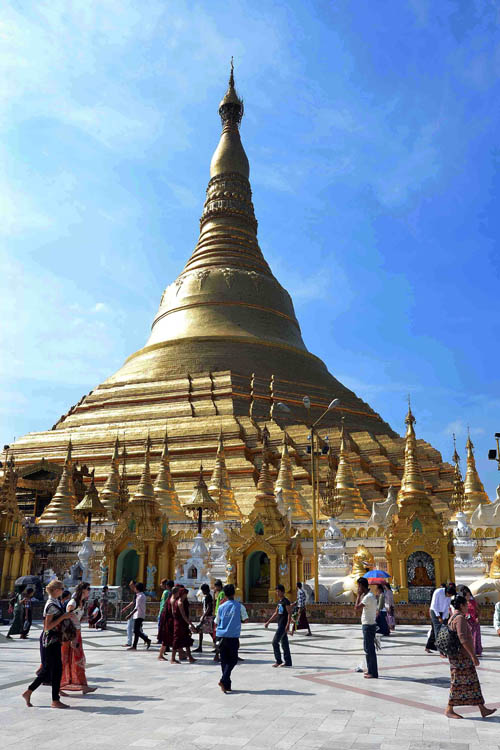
219 597
167 587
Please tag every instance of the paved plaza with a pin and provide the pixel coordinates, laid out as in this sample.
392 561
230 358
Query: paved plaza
321 702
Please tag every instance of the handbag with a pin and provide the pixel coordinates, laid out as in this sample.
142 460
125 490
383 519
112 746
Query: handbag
447 641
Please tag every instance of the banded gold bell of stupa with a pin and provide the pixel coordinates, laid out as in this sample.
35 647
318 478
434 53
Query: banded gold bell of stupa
60 509
111 489
220 486
164 488
265 509
346 492
473 487
286 483
144 494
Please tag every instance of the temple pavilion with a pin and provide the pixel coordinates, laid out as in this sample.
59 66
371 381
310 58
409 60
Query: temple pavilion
224 353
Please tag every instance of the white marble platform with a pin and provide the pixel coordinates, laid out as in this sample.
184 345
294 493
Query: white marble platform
319 703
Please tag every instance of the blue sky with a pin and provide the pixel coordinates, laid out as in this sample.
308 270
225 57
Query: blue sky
372 133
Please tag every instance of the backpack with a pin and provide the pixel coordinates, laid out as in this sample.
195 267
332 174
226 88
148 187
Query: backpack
447 641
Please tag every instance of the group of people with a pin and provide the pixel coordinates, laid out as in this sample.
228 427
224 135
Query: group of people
63 659
61 651
458 613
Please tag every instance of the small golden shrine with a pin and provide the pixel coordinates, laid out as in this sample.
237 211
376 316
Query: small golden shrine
419 549
141 546
265 551
15 553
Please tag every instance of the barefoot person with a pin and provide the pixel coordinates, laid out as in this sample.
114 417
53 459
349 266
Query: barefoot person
284 614
230 615
73 657
51 671
206 624
138 615
301 622
465 689
182 624
367 603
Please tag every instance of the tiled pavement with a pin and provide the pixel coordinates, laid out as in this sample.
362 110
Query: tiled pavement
320 703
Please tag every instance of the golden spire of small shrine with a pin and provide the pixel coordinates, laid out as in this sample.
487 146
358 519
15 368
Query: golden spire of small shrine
346 493
457 502
265 509
286 483
144 491
123 493
220 486
60 509
412 482
164 488
473 487
201 502
111 489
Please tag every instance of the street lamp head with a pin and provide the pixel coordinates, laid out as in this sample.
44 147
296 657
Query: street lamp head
307 402
333 404
283 407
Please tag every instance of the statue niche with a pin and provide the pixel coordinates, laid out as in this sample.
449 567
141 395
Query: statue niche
421 576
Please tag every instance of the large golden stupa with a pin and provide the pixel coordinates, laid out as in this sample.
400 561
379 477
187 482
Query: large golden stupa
224 350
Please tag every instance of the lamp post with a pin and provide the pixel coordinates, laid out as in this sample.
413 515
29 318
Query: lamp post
312 426
494 453
88 507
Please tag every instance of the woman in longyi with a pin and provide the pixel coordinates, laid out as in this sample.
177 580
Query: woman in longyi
465 689
73 657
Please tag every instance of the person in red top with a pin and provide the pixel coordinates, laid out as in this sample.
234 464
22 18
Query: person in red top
473 620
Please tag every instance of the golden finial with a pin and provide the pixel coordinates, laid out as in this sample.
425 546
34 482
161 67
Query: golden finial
474 489
286 483
220 486
347 501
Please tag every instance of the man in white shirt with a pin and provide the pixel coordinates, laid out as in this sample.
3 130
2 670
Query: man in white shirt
138 616
367 603
496 618
440 606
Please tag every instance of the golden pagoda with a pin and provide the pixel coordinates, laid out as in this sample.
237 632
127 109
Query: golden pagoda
473 487
164 488
346 491
419 550
286 483
225 346
60 509
110 491
123 492
220 486
457 502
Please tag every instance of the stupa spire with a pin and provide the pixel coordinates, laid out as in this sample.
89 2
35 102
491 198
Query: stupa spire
265 509
412 491
123 493
144 491
60 509
220 486
457 503
286 483
346 491
164 488
473 487
111 489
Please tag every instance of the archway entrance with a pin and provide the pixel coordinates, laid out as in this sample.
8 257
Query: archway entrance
127 567
257 577
420 572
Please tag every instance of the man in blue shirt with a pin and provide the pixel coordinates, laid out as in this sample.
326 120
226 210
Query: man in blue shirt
230 615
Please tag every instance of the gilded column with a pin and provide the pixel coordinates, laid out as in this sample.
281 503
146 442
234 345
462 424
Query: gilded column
140 573
5 570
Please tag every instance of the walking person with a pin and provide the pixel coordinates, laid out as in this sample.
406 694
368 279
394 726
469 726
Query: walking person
206 624
473 619
496 618
390 606
72 654
230 615
219 597
22 620
130 623
182 634
440 609
367 603
138 615
166 591
465 689
300 621
283 612
381 618
166 628
51 671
